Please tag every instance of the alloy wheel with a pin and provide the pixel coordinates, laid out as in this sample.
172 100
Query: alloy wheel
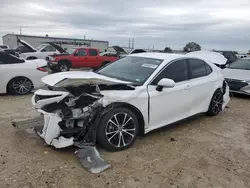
120 130
22 86
217 103
64 68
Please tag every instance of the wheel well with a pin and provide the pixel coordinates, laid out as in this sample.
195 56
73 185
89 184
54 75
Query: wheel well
65 61
7 86
31 57
136 111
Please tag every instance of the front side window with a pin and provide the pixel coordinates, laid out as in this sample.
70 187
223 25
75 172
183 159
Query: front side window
9 59
92 52
243 64
177 71
81 52
130 68
198 68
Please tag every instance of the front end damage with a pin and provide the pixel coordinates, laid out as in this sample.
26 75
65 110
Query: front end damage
71 121
71 113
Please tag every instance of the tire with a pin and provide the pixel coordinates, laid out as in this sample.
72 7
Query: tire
63 66
215 106
20 86
110 133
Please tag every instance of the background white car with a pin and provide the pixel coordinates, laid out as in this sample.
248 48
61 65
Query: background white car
20 76
238 76
130 97
39 52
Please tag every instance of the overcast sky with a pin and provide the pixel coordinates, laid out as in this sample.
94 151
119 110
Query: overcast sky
214 24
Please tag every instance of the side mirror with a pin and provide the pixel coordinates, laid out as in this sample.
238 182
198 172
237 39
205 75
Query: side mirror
76 54
165 82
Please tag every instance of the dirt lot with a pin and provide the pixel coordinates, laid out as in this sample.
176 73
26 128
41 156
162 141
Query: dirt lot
206 152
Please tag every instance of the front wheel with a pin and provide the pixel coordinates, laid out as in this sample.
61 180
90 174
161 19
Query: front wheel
63 67
216 103
118 129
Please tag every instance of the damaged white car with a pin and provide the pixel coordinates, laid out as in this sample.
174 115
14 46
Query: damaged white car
128 98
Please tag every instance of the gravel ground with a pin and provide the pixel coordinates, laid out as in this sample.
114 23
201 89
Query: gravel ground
201 152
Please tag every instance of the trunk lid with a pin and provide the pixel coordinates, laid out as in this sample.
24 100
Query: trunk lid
213 57
79 78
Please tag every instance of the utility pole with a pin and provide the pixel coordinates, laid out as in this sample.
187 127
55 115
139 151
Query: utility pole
20 30
129 42
133 43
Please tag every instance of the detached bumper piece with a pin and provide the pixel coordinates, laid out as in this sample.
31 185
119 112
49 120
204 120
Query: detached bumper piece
46 126
91 160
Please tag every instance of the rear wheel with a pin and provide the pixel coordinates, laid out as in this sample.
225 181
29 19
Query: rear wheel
20 86
118 129
216 103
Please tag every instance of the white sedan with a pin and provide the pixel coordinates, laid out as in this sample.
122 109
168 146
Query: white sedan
130 97
20 76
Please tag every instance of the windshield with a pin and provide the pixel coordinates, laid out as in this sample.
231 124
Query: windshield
130 68
240 64
71 51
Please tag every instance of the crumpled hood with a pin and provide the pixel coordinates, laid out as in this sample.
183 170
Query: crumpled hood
237 74
79 78
213 57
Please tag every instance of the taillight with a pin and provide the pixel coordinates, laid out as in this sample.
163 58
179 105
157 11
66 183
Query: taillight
43 69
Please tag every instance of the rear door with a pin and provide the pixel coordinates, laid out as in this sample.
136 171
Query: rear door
80 59
94 59
201 85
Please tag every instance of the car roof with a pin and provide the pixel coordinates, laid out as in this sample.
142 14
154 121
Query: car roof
156 55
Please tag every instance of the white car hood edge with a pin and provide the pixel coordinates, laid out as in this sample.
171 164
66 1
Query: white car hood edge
79 78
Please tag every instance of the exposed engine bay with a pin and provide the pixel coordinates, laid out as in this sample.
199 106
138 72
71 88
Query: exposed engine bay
71 116
76 113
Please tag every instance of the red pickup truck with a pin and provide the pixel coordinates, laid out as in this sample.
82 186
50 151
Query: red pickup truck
78 58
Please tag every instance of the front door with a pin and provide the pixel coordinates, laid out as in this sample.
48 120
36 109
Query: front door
170 104
80 59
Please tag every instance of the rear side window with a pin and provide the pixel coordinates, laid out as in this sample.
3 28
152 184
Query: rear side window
199 68
92 52
177 71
